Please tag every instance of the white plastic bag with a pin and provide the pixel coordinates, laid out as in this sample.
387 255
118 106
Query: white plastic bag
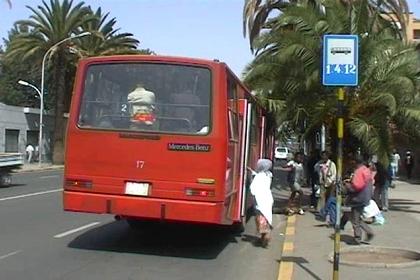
371 210
379 219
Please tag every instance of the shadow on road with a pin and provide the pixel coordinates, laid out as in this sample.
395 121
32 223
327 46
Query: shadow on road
345 238
301 263
403 205
174 240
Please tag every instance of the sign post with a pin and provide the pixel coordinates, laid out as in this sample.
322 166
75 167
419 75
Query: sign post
340 68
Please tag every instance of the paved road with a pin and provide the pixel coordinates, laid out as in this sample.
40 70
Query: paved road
40 241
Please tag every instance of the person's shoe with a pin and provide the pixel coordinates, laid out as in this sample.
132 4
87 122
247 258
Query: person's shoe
301 212
369 237
290 212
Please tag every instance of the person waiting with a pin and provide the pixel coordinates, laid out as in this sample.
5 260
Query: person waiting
29 152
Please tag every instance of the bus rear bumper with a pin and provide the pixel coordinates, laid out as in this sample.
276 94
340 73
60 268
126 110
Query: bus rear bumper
145 207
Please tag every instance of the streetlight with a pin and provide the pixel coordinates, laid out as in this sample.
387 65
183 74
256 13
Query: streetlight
41 97
43 72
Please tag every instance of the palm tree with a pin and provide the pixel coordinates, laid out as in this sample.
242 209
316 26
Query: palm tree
256 13
105 38
49 24
287 69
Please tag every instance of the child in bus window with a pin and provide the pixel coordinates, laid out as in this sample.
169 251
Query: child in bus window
261 190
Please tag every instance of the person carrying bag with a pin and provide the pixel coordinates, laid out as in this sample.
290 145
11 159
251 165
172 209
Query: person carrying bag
359 190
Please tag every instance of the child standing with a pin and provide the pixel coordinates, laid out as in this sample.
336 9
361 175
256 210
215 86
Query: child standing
260 189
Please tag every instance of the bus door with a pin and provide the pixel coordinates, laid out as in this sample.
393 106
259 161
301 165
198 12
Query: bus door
244 175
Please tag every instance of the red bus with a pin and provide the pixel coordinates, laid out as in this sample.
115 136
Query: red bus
163 138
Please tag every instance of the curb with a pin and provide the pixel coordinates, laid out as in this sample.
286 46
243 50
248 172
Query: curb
46 168
286 262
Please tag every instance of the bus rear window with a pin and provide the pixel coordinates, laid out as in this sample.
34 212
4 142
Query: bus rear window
147 97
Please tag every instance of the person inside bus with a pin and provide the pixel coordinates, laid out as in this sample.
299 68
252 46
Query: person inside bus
142 107
261 190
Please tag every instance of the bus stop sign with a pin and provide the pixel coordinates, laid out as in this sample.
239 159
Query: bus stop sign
340 60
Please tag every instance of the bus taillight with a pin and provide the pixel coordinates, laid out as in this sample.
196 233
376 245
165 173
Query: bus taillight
198 192
70 183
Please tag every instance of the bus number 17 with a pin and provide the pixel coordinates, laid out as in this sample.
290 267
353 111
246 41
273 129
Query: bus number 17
140 164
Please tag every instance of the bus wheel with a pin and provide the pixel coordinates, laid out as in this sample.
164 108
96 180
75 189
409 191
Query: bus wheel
5 180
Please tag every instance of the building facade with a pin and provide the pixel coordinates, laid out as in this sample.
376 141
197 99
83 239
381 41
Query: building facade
412 32
413 29
19 126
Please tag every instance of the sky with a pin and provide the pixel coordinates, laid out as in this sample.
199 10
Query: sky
209 29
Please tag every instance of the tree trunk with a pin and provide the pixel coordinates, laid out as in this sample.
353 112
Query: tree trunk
59 87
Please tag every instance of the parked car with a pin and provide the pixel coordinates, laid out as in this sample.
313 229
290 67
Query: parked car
281 153
8 163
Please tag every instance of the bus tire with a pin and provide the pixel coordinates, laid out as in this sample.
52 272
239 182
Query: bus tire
5 180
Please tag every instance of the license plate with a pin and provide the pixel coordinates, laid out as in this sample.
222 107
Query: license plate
141 189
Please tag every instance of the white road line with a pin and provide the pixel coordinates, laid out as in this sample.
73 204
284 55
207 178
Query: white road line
76 230
50 176
10 254
29 194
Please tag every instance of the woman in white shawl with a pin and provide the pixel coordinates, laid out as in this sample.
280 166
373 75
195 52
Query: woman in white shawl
260 189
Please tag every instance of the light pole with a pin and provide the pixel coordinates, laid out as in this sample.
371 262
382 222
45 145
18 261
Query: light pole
41 108
43 73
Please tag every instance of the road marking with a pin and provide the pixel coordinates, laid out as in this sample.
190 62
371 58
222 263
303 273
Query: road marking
286 266
10 254
291 220
47 177
76 230
285 271
288 247
290 230
29 194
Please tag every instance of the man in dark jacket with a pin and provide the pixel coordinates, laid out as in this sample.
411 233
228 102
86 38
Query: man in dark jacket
382 182
409 163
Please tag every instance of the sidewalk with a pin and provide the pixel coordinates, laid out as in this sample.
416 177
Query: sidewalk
30 167
313 243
